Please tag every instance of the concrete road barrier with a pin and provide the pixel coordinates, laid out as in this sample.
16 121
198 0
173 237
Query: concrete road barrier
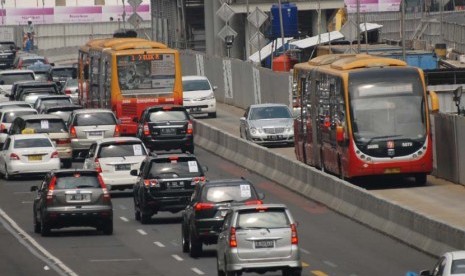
408 226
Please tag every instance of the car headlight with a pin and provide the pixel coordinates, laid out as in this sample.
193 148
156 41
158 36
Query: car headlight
253 130
210 97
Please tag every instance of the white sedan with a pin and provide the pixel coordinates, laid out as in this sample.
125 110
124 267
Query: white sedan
28 154
114 158
450 263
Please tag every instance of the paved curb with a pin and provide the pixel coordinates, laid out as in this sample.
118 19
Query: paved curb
415 229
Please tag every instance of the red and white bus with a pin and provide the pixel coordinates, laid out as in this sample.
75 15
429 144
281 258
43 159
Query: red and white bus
363 115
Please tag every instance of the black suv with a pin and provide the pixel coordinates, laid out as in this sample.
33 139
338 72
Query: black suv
165 128
74 197
8 51
28 87
165 183
204 216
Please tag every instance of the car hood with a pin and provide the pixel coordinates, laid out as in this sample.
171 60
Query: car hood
285 122
196 94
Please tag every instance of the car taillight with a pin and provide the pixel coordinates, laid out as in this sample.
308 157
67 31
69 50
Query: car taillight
51 188
294 238
72 131
151 183
98 168
14 156
63 141
190 129
117 133
203 206
68 91
106 194
253 202
146 129
54 154
232 237
197 180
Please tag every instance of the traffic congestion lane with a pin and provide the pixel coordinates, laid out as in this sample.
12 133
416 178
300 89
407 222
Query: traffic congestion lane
330 244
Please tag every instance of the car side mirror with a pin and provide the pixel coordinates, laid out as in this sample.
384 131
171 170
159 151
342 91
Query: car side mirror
242 119
205 168
425 273
133 172
34 188
135 120
261 196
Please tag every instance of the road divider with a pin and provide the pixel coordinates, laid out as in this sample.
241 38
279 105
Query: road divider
413 228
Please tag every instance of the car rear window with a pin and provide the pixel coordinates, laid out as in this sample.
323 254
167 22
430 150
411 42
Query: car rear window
12 78
174 168
77 181
101 118
194 85
263 218
54 102
41 76
458 266
238 193
32 143
120 149
8 117
47 125
64 114
64 72
172 115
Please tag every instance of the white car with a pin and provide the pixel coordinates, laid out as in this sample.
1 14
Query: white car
8 114
114 158
198 95
14 104
28 154
450 263
8 77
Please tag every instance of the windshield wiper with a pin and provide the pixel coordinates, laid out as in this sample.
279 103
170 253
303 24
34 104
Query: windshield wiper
381 137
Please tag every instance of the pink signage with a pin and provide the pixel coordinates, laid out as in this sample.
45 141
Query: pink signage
21 16
117 12
78 14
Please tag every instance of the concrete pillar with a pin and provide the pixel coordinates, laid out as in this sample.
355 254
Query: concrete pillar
324 22
209 29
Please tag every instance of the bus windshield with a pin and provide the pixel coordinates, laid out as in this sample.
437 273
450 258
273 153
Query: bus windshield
387 104
146 74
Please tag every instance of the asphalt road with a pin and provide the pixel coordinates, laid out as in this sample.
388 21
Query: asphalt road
331 244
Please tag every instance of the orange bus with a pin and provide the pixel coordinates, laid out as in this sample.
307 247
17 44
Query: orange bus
363 115
127 75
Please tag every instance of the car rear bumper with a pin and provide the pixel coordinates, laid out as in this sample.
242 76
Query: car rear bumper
118 180
262 265
172 204
272 139
167 144
208 229
65 152
19 167
199 107
59 219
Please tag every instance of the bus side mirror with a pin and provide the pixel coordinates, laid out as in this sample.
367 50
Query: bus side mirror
340 134
434 101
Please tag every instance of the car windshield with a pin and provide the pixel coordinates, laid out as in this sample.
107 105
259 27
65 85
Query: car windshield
9 79
458 267
229 193
172 115
77 181
194 85
64 72
32 143
263 219
270 112
121 149
174 168
93 119
9 116
47 125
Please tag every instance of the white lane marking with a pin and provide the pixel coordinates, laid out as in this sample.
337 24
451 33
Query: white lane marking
122 207
34 247
177 258
116 260
198 271
328 263
304 251
124 219
159 244
27 202
142 232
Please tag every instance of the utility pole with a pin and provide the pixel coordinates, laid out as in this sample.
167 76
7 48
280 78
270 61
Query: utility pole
281 26
402 29
358 26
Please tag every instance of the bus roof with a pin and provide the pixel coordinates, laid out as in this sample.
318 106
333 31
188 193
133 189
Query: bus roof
139 45
119 40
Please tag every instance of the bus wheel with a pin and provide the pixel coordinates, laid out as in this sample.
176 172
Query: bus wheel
420 179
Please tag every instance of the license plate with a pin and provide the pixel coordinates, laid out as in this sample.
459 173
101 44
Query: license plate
122 167
168 131
392 170
264 244
274 137
94 133
78 197
34 157
176 184
195 109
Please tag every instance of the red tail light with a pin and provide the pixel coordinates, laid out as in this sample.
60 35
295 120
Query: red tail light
203 206
54 154
197 180
51 188
190 129
97 166
117 132
294 238
68 91
63 141
106 194
253 202
151 183
146 129
14 156
72 131
232 237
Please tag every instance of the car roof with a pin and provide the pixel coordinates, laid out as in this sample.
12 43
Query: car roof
118 139
54 97
168 155
457 254
28 136
92 110
32 57
67 106
14 71
7 41
166 107
40 117
194 77
62 67
267 105
262 206
33 83
68 171
220 182
17 108
12 103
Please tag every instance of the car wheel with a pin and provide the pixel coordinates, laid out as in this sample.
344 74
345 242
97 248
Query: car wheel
107 228
420 179
219 271
144 217
226 272
195 246
212 114
67 163
184 238
292 272
44 228
36 224
136 211
7 176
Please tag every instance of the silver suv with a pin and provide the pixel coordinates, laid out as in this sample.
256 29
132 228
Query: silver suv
258 238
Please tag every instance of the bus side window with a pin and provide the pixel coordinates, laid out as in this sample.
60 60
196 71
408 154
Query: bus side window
86 71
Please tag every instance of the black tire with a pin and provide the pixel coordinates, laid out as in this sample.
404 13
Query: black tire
226 272
44 229
420 179
107 228
36 224
219 271
184 238
195 246
292 272
144 217
67 163
137 215
6 175
212 114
